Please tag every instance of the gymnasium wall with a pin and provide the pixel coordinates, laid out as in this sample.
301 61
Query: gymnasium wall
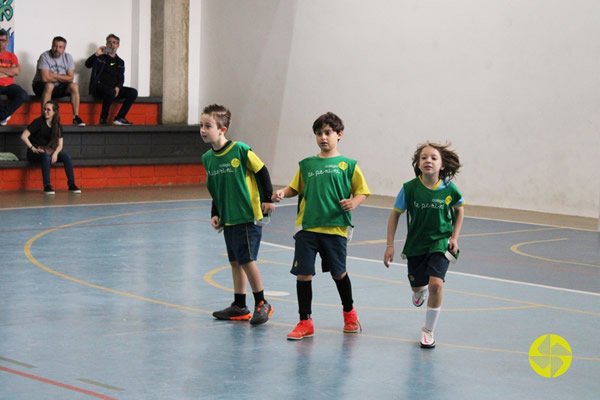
514 85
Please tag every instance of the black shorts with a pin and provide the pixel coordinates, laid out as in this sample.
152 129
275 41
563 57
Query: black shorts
420 268
60 90
242 242
331 248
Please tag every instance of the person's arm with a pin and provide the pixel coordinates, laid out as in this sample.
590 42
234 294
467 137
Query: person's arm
54 155
282 193
89 63
215 220
25 138
459 216
262 176
13 70
392 225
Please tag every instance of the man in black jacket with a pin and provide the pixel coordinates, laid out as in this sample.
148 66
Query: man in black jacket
106 82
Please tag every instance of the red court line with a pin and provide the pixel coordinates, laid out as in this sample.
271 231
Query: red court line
62 385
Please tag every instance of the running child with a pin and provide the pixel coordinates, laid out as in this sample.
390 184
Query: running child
234 173
329 187
435 215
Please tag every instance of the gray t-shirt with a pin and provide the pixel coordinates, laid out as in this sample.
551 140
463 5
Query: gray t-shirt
60 65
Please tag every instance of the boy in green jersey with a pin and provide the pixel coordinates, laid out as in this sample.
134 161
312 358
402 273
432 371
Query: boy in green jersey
329 186
435 215
233 175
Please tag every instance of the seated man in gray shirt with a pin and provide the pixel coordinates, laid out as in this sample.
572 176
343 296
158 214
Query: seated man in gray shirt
54 77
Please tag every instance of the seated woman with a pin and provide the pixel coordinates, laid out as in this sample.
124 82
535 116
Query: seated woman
44 140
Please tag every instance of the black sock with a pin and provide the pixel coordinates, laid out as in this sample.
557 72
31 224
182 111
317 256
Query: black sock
344 288
259 296
304 292
239 300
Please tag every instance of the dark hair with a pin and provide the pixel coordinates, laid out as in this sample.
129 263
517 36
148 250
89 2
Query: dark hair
335 122
59 39
450 160
3 32
55 125
112 35
220 113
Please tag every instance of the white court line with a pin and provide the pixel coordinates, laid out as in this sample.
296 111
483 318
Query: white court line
459 273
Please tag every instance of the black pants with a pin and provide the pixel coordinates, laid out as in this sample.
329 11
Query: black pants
107 94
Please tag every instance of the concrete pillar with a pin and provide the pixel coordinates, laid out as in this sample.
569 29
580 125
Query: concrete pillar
156 47
175 62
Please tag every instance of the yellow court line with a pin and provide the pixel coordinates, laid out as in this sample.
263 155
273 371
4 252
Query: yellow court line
30 257
515 249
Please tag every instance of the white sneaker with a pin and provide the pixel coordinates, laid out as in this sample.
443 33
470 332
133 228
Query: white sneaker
5 121
419 298
427 340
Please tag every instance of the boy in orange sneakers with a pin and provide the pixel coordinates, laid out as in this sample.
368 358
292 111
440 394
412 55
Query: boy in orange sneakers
329 186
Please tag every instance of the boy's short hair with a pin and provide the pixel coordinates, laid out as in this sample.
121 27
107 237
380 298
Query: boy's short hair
335 122
3 32
220 113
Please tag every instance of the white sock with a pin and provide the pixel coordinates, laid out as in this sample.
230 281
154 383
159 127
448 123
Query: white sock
431 318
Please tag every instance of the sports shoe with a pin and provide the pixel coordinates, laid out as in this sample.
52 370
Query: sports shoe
351 324
48 189
5 121
233 313
303 330
78 121
74 189
419 298
262 313
427 340
103 121
121 121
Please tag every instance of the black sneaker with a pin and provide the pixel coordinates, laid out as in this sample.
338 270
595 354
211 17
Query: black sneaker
103 121
74 189
78 121
233 313
48 189
262 313
121 121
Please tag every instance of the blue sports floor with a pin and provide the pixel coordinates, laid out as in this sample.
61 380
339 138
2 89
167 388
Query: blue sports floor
113 300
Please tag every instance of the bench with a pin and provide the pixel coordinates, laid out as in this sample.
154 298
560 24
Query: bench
145 111
109 156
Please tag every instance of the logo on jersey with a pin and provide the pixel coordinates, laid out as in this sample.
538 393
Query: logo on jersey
235 163
343 165
448 200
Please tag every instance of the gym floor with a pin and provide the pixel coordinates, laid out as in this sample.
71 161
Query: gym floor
109 295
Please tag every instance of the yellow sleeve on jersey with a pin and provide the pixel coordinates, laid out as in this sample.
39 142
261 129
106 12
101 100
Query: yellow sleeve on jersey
359 184
254 163
297 183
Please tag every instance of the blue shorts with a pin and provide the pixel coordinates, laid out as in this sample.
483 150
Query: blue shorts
331 248
420 268
242 242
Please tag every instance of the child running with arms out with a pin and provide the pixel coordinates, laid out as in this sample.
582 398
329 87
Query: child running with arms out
234 173
329 187
435 214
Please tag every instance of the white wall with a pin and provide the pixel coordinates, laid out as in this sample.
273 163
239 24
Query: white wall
85 24
513 84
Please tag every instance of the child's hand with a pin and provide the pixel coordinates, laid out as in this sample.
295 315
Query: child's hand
388 257
453 245
268 208
347 205
278 196
215 222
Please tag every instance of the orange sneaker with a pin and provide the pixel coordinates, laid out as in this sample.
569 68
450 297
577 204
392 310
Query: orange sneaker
303 330
351 324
